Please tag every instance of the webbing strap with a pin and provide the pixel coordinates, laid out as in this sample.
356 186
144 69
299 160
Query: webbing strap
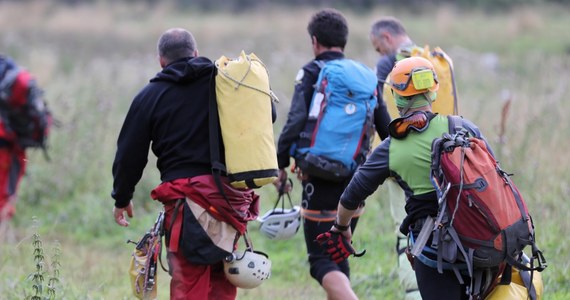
433 263
160 257
320 63
450 64
325 215
468 256
399 249
175 228
240 82
458 274
423 236
281 194
214 129
519 265
440 254
476 283
527 277
454 124
7 82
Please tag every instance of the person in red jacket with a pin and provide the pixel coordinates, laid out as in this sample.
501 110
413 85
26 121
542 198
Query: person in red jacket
15 84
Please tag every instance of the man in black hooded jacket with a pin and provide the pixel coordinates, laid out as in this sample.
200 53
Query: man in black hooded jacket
171 114
160 113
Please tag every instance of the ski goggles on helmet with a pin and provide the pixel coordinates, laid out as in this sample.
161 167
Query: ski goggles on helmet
418 121
421 78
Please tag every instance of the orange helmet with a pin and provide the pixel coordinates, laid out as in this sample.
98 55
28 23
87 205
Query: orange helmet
412 76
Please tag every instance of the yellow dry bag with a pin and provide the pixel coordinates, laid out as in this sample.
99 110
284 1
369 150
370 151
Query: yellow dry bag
244 104
517 289
446 101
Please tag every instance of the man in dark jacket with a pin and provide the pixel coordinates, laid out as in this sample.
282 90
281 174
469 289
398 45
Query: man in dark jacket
328 31
171 113
388 37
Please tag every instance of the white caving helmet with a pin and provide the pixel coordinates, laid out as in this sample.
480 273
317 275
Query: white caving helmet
280 223
247 269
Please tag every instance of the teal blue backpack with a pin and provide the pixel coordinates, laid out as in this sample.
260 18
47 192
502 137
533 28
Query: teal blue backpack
337 134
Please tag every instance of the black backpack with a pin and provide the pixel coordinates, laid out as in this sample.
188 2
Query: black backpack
22 107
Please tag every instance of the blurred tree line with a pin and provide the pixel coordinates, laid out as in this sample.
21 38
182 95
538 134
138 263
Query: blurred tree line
242 5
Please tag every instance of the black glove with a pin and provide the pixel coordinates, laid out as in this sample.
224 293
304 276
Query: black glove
337 246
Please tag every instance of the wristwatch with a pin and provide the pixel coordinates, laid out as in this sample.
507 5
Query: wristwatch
340 227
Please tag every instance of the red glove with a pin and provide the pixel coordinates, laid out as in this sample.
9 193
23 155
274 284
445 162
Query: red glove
337 246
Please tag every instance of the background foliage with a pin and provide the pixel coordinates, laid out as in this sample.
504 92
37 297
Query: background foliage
93 56
242 5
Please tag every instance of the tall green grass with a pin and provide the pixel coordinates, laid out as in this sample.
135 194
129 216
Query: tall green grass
92 60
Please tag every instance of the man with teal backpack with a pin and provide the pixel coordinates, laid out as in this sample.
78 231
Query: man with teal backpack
333 111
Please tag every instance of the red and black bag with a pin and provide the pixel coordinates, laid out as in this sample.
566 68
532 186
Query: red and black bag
483 219
22 107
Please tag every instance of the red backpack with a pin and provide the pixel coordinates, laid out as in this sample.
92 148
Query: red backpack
22 107
483 220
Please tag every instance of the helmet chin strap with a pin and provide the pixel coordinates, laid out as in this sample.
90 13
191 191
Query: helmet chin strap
404 111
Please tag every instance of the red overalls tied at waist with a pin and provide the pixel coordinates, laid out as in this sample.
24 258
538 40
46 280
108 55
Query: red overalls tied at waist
204 191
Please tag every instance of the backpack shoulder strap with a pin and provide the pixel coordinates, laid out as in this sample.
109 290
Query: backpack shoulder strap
455 123
320 63
4 65
526 277
215 133
214 127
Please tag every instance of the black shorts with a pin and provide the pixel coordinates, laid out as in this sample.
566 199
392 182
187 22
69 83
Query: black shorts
321 195
433 285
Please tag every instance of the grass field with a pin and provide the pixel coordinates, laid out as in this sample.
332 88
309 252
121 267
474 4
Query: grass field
92 60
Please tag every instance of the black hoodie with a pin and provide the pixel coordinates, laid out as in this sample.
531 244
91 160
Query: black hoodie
171 112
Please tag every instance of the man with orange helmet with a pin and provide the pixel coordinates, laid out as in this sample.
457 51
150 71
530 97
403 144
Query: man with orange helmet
390 39
406 156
